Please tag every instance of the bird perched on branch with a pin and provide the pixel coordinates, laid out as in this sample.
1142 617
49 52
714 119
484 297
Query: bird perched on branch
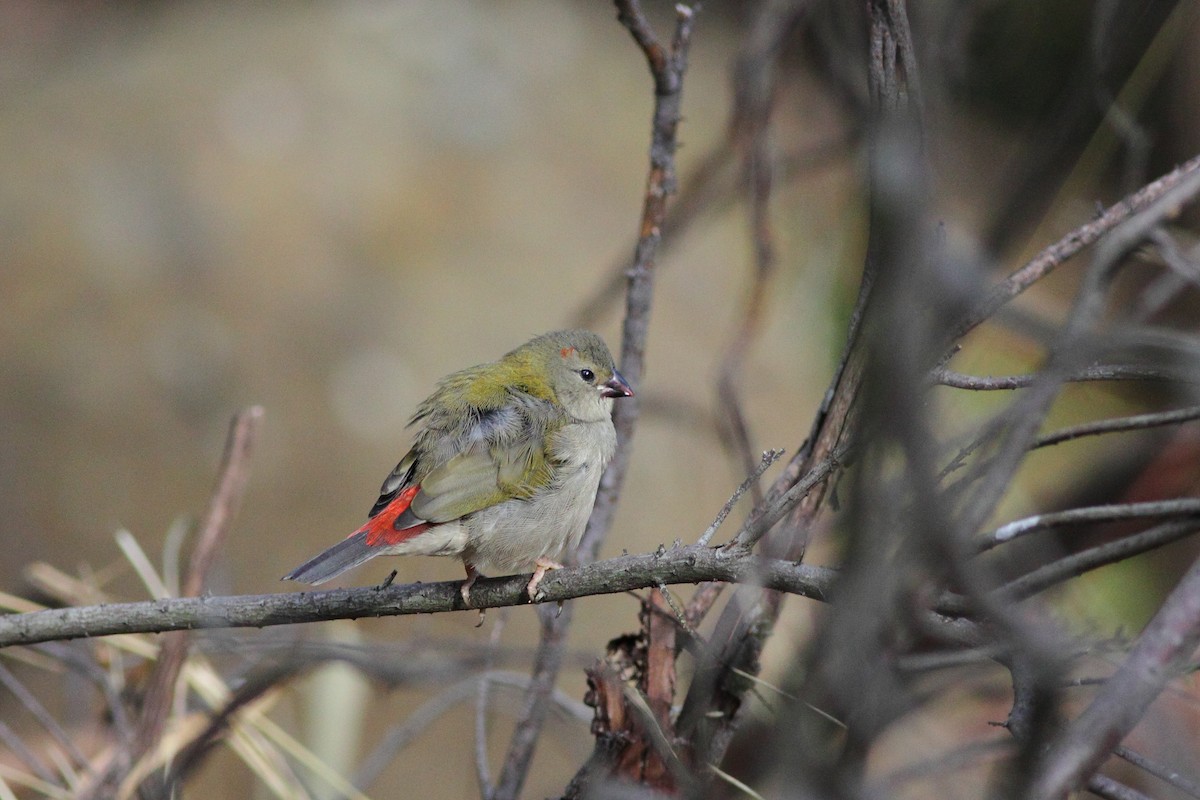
504 467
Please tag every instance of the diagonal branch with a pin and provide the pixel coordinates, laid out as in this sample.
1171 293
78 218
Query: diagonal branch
1161 652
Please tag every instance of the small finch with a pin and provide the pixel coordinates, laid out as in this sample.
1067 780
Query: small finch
504 466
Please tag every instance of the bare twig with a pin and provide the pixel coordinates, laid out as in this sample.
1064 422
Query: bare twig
1067 355
1120 424
222 508
755 76
768 458
667 68
763 520
707 594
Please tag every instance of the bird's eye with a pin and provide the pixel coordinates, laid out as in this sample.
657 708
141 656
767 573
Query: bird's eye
587 375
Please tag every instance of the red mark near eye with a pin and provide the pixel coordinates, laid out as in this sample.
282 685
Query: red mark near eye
566 351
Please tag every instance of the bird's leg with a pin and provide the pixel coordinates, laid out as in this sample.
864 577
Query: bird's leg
387 581
543 565
465 590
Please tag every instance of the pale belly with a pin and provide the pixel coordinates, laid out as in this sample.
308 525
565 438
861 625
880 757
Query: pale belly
509 537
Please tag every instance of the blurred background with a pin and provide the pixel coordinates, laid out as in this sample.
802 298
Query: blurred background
322 208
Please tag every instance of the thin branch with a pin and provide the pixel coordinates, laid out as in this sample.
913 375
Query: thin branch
759 523
1069 245
555 624
754 77
1093 558
1106 372
707 594
482 699
1181 507
711 187
1161 771
222 508
1069 352
688 564
667 68
768 458
1120 424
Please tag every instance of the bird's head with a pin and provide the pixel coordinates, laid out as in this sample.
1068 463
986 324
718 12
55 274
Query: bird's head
578 371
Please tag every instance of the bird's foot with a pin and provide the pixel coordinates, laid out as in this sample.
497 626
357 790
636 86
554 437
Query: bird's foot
543 565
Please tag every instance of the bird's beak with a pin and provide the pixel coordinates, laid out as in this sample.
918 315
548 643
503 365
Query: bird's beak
615 387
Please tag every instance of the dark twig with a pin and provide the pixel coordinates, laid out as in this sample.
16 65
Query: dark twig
689 564
1069 352
1161 652
1076 564
707 593
713 709
1044 262
1120 424
762 521
711 187
1106 372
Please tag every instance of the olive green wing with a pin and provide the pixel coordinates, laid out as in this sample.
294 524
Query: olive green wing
484 475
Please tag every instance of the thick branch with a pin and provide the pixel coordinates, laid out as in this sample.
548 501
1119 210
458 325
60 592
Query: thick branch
680 565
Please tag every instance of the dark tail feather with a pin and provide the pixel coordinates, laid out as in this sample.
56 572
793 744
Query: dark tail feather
344 555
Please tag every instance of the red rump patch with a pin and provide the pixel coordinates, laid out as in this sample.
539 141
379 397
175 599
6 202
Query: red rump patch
566 351
380 529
